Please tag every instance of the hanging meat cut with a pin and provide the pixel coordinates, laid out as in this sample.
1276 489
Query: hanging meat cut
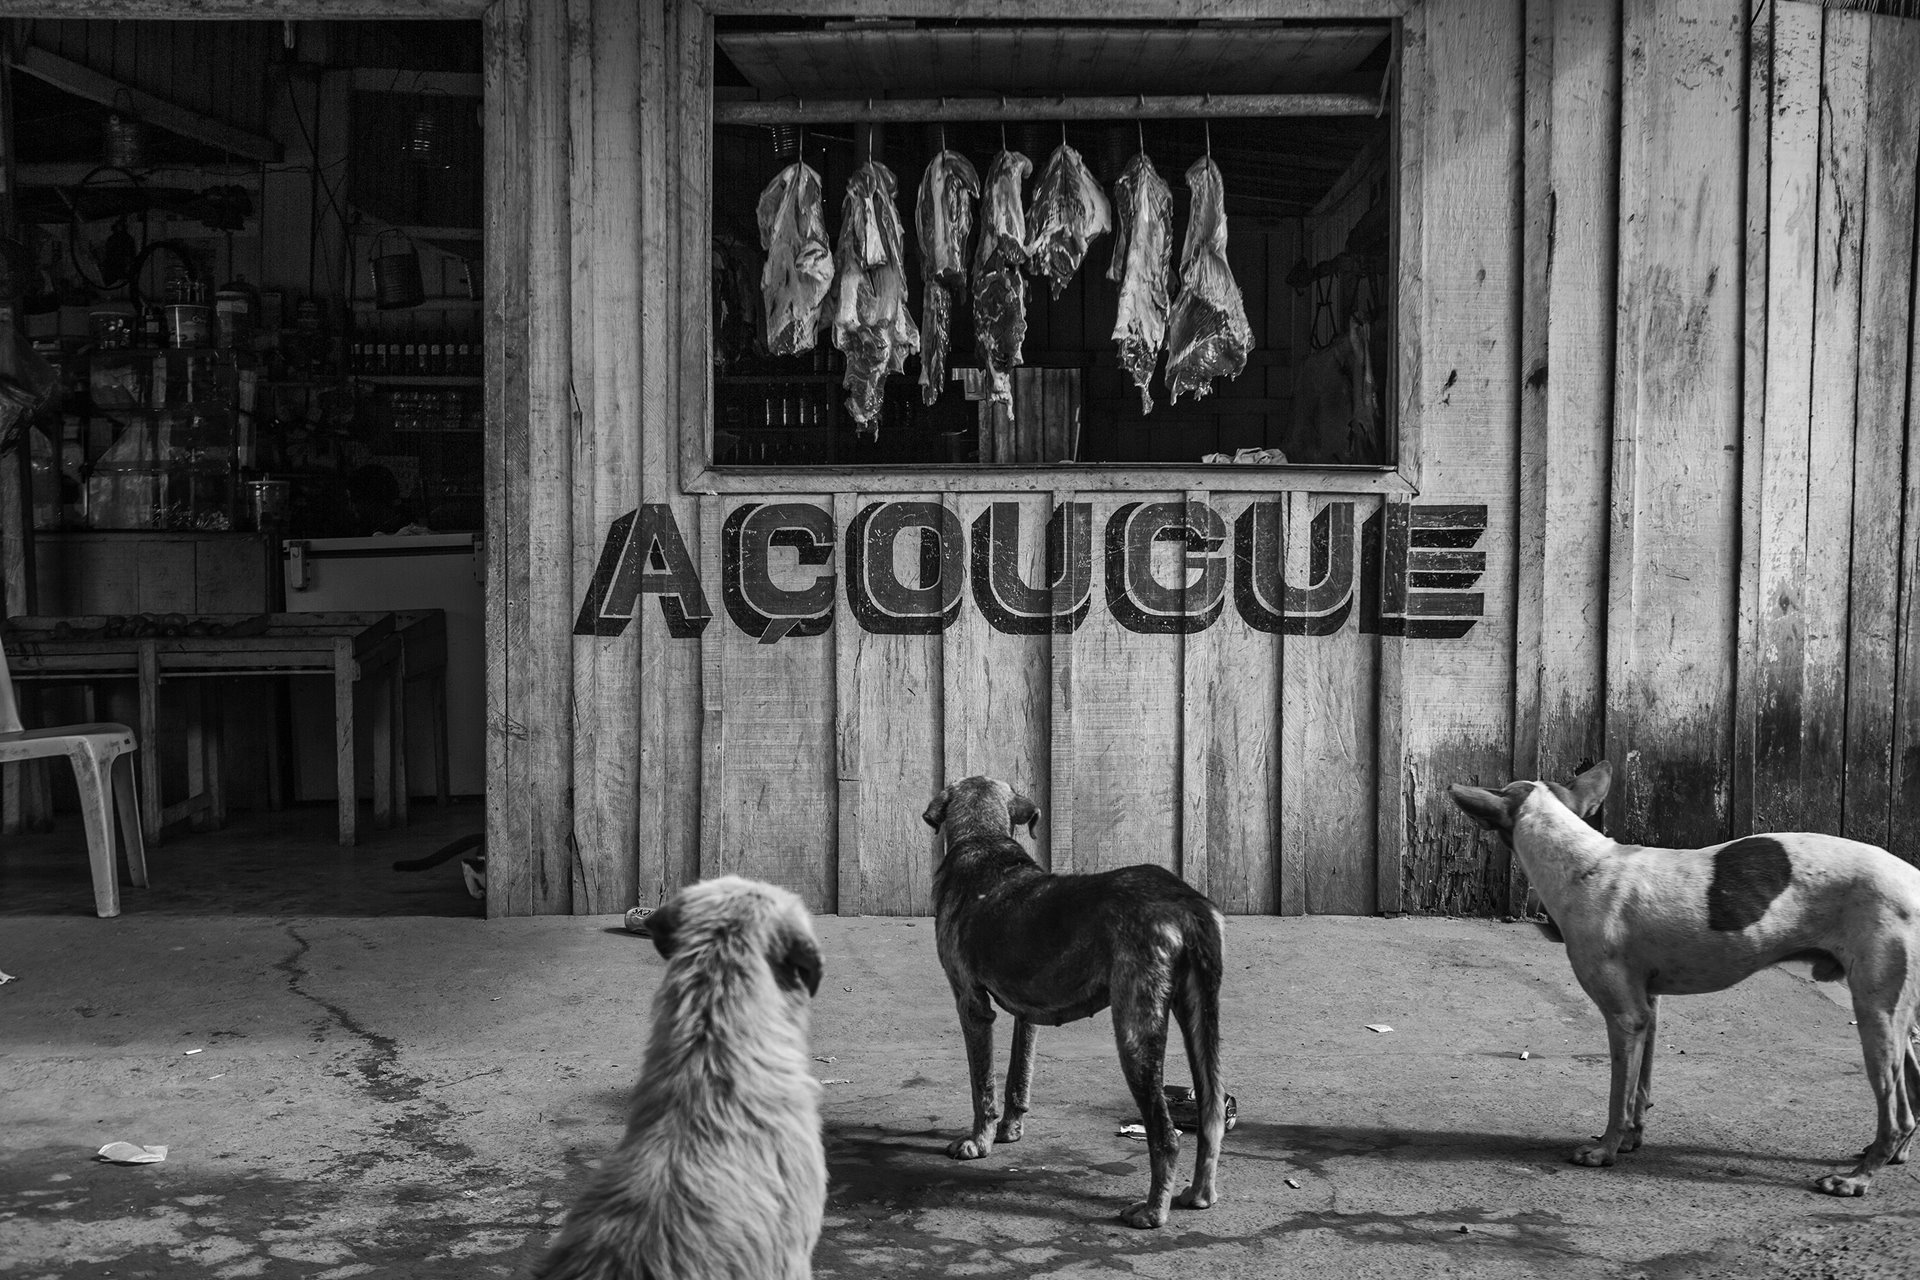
799 270
871 326
1207 334
1069 209
944 219
1142 254
999 290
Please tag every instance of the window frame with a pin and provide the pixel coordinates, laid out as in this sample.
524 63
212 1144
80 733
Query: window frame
698 473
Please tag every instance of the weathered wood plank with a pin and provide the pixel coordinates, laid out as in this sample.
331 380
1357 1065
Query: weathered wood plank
996 708
1199 663
1126 710
849 875
1892 122
1672 579
546 675
259 10
777 794
675 260
504 40
897 743
1903 827
607 275
1329 735
1457 693
1061 730
1240 715
1793 220
1028 10
1753 415
1836 371
1577 386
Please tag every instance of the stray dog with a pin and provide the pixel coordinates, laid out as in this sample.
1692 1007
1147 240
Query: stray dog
1640 923
721 1174
1051 949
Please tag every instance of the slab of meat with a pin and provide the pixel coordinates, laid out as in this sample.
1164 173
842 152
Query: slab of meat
944 219
1207 334
1069 209
871 326
1142 254
999 290
799 266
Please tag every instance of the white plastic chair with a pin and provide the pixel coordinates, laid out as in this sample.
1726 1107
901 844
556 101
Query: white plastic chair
102 756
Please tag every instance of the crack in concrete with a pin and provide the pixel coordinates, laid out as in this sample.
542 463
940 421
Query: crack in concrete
380 1076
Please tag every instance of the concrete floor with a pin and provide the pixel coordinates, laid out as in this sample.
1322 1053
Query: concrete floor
352 1095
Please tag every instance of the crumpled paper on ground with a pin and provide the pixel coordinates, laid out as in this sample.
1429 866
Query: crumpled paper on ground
128 1153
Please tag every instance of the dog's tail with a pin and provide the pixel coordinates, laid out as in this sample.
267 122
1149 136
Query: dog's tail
1196 1006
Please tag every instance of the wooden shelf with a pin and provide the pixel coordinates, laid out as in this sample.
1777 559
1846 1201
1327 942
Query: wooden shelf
425 304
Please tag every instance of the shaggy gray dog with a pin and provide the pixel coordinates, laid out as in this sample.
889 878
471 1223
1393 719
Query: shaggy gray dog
721 1175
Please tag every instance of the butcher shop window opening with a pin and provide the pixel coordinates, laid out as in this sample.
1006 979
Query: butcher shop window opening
952 243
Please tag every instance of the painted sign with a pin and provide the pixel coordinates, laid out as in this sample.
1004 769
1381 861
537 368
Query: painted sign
1170 567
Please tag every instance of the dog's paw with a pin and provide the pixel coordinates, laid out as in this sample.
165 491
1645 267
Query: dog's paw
1596 1155
1842 1184
968 1148
1144 1215
1631 1142
1009 1131
1194 1197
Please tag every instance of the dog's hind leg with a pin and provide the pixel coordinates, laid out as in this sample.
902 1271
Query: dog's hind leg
976 1028
1019 1081
1883 1005
1629 1018
1140 1030
1196 1003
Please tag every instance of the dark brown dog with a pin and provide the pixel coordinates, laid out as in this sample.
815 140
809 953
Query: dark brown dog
1051 949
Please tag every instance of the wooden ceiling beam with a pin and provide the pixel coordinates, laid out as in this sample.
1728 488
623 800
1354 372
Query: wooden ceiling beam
85 82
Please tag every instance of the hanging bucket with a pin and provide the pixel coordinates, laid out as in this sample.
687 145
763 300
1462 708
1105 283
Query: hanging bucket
125 137
396 275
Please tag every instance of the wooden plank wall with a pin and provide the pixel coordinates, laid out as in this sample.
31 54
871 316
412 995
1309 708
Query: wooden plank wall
1673 583
1462 396
1568 310
1832 508
1272 768
1643 545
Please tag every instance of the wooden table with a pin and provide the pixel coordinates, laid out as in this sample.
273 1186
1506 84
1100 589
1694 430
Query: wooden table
391 649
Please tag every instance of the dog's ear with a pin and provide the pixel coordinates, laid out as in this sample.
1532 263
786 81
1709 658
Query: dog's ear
795 961
1022 812
661 927
1491 809
1590 789
937 808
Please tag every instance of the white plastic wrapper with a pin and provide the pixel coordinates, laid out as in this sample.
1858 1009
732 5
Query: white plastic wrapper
799 269
1207 335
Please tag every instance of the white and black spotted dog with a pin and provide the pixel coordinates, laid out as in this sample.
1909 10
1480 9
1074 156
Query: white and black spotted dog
1640 923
